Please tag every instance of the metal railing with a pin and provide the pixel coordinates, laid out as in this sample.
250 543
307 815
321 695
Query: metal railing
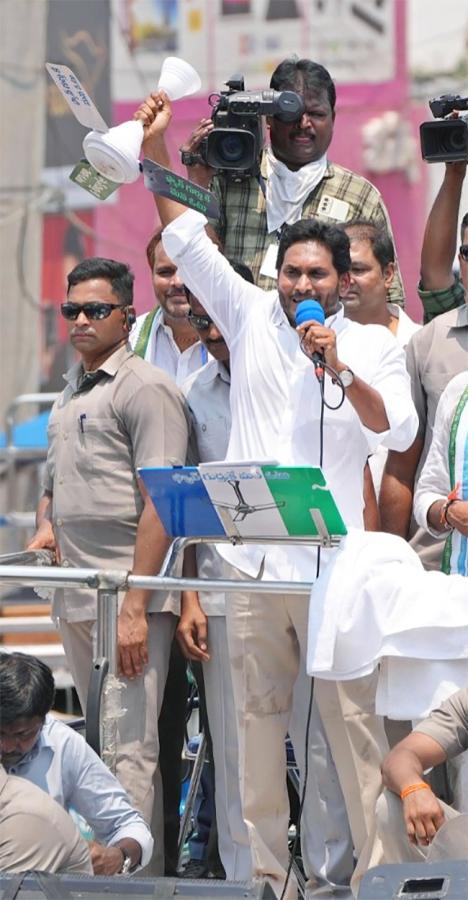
101 725
11 455
107 583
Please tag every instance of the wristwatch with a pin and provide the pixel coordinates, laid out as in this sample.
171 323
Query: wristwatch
188 158
346 377
127 862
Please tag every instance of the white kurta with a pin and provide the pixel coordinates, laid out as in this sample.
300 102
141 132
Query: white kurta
374 603
275 397
434 480
162 350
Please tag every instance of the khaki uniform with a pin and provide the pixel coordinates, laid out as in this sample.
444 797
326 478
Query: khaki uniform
388 841
130 416
36 833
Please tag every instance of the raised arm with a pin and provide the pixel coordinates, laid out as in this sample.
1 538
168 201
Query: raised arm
226 296
156 113
439 291
440 237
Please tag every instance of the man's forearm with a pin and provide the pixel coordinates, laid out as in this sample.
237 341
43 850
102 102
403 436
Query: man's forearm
395 506
400 769
44 509
440 237
369 405
155 113
396 492
151 546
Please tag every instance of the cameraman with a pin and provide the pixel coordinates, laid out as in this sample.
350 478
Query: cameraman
296 179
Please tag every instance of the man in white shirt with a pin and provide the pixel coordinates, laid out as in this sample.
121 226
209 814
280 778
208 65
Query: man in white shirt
203 637
207 394
441 508
45 751
163 336
367 298
371 276
277 411
441 497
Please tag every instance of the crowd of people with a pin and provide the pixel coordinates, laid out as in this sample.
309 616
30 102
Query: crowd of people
218 370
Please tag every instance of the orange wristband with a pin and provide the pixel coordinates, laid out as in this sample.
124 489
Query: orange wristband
420 786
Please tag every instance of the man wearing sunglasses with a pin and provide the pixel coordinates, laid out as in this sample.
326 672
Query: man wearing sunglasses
435 355
116 414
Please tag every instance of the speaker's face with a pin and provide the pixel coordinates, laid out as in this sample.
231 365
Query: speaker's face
308 272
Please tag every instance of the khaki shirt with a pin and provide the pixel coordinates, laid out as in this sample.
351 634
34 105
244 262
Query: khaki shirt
134 416
448 724
434 355
36 833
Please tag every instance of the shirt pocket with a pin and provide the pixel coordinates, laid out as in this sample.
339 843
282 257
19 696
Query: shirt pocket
102 449
212 436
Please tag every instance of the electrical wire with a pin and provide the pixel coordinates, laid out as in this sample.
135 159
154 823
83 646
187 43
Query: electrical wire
292 852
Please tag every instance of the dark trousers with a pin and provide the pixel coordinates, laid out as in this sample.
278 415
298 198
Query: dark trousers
171 741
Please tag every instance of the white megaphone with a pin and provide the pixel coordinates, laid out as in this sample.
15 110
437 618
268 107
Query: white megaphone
114 152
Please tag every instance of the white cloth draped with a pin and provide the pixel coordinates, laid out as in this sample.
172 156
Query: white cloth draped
287 191
374 603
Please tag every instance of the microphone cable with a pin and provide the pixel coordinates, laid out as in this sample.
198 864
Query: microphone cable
293 850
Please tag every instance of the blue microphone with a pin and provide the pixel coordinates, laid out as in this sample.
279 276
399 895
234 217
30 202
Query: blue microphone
311 311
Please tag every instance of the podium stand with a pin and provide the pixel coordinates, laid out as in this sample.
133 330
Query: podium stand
240 503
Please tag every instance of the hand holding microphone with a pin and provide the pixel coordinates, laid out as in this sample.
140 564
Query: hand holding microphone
317 341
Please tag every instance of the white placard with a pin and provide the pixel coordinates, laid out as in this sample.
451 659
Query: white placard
78 100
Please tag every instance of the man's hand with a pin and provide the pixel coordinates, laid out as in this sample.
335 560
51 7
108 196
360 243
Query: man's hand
316 338
44 538
156 113
457 516
132 632
105 860
199 172
423 816
192 630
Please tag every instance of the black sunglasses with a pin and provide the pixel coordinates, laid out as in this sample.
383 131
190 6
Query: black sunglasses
464 252
201 323
91 310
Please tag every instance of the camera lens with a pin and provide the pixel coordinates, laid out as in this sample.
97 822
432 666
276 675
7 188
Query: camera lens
231 148
456 140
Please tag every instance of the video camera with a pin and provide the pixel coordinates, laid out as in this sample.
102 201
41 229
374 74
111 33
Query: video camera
235 144
446 139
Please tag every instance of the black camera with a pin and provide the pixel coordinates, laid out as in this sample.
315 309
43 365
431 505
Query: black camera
445 139
235 144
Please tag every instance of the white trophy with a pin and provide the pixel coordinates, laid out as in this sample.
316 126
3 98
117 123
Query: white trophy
114 152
